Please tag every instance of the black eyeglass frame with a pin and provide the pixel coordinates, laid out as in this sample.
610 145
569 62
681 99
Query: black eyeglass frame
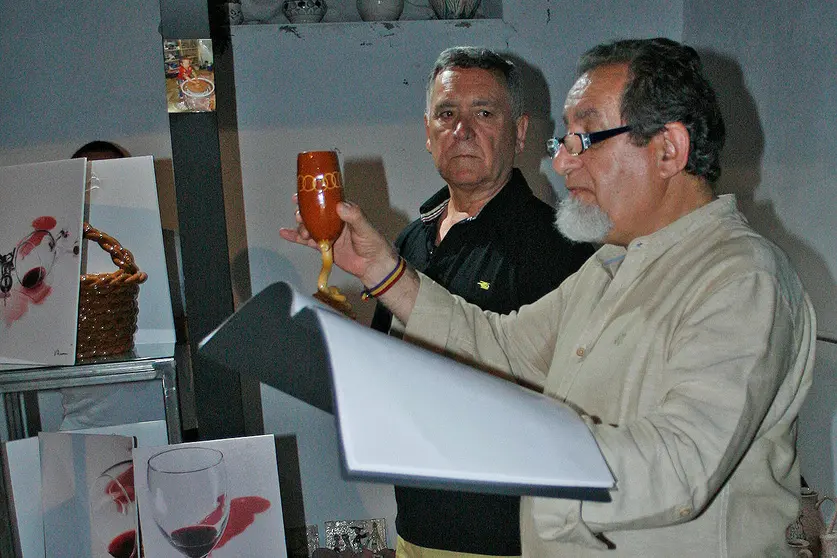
553 145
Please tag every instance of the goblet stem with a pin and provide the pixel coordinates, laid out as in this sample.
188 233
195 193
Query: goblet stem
328 261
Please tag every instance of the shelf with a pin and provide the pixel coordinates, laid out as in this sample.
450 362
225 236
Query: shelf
345 11
471 31
91 374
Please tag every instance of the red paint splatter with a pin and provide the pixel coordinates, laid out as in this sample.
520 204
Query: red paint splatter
37 294
32 242
45 222
121 489
242 514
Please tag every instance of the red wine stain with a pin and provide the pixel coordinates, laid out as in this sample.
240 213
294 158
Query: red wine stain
37 294
32 241
125 480
33 277
124 545
242 514
45 222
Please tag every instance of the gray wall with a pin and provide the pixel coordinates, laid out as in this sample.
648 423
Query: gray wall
774 65
80 72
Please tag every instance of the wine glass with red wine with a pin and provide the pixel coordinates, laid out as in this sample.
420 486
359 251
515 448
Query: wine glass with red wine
113 512
188 496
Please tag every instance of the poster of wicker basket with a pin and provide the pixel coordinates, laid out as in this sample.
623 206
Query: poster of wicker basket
217 498
40 228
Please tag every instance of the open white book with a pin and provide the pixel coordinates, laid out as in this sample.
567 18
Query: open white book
436 422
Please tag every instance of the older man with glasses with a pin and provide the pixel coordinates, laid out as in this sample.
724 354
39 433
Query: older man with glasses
686 342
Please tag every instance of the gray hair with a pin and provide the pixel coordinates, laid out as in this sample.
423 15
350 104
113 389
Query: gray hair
485 59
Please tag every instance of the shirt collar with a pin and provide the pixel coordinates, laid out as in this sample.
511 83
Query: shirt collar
435 206
661 240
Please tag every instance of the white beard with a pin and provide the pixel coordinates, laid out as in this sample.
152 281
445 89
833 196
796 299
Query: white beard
582 222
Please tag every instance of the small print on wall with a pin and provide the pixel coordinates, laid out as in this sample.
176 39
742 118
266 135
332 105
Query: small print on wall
190 79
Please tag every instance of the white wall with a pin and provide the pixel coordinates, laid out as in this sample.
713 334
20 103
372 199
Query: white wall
774 65
80 72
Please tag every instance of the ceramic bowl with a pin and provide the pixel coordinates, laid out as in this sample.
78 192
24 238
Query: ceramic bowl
304 11
380 10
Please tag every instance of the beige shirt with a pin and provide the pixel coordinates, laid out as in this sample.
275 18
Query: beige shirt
689 354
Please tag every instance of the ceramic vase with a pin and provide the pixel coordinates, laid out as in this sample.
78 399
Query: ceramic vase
811 519
260 11
801 548
828 545
380 10
828 540
304 11
455 9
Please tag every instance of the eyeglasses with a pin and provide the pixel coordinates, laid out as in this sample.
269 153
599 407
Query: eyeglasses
577 143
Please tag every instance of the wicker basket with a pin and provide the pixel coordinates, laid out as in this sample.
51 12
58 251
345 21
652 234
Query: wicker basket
107 307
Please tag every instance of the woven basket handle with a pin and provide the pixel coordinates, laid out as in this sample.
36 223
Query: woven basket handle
122 257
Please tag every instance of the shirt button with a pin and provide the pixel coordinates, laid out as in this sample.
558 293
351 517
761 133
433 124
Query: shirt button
684 512
579 351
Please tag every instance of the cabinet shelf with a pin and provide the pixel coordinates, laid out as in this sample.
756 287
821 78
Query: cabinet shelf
369 30
345 11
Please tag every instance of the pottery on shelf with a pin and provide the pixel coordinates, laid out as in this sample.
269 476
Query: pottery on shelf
454 9
810 519
260 11
304 11
380 10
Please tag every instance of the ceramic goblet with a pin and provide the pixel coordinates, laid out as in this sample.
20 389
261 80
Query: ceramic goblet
319 189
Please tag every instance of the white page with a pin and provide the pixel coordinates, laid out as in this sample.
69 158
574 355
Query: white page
406 414
250 484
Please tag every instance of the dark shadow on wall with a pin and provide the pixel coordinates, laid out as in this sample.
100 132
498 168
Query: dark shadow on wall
537 104
741 164
365 183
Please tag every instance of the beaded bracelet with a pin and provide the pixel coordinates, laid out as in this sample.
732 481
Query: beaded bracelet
390 280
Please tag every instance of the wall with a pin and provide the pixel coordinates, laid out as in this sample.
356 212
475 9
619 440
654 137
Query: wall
76 73
773 65
359 88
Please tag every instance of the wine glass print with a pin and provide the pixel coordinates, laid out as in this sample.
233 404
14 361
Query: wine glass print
29 262
113 512
188 496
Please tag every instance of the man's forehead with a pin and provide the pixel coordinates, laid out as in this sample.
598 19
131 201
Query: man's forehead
596 94
482 86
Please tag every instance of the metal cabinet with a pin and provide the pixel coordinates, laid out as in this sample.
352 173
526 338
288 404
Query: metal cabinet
19 389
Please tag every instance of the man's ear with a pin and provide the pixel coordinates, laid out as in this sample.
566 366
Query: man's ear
520 141
674 146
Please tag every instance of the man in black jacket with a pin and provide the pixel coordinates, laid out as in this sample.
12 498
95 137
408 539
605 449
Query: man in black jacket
487 238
